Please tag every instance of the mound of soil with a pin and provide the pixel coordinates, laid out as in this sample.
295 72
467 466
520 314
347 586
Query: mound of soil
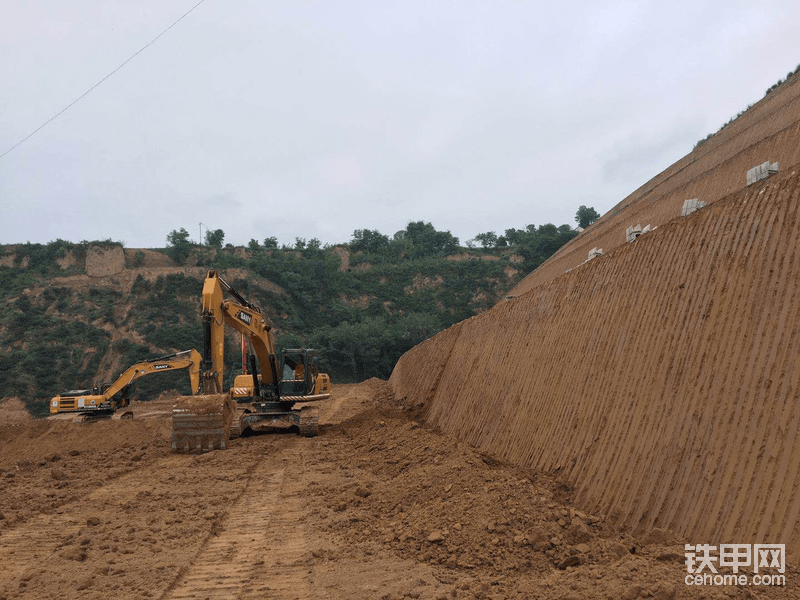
13 412
42 438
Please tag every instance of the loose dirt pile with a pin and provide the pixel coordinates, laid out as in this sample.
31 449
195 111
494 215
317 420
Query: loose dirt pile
377 506
13 412
203 405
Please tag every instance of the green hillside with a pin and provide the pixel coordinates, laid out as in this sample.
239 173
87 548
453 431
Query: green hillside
76 315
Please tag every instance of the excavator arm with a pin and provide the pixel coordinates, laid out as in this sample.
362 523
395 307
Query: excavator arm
253 325
189 359
244 317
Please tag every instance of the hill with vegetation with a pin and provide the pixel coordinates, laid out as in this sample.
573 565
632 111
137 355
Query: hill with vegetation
76 315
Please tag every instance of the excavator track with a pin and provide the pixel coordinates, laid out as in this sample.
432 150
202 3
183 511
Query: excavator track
309 421
202 423
93 417
236 425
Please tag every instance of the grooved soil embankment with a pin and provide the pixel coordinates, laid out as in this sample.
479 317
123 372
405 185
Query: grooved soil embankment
661 381
768 131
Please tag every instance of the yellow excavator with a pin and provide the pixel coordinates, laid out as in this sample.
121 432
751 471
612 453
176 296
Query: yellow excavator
104 401
259 400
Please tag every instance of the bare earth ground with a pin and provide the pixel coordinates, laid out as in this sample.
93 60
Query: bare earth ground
375 507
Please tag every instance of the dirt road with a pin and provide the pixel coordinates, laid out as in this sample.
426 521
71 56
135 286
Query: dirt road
375 507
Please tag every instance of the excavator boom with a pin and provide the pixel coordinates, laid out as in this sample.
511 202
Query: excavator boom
245 318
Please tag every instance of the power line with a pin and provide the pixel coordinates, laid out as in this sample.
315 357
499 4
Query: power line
87 92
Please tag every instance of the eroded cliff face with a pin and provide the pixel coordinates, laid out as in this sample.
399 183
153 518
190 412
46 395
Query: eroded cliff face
717 168
103 262
661 381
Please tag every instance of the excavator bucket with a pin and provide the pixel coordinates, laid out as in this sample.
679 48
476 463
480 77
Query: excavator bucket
202 423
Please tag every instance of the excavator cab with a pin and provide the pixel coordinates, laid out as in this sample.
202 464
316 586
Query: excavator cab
300 367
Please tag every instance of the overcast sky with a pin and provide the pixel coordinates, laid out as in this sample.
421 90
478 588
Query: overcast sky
313 119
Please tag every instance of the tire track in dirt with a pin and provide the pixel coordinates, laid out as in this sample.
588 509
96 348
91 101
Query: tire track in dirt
25 546
134 534
260 551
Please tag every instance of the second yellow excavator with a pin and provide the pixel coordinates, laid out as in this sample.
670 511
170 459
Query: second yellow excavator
103 401
260 400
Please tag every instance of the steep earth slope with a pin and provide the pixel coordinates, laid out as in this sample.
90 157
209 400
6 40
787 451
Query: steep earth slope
768 131
660 382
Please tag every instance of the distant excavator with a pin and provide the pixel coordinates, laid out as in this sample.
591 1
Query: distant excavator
259 400
104 401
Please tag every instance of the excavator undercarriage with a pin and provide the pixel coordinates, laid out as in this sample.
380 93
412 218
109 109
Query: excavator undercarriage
270 416
203 423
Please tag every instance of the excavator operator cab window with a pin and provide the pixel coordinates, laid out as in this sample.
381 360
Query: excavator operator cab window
294 379
288 373
290 365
